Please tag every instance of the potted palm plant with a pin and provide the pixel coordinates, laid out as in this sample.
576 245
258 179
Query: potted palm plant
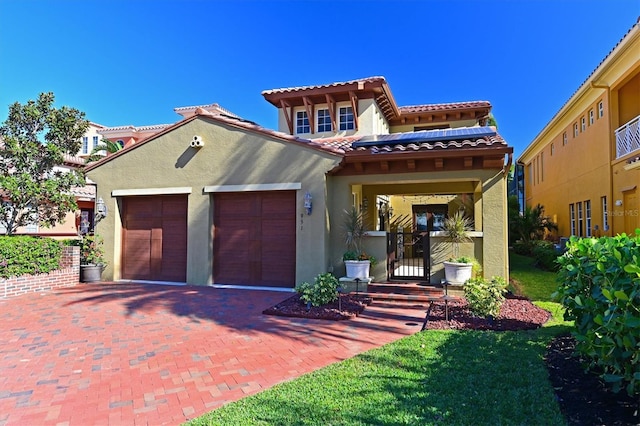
356 260
458 269
92 260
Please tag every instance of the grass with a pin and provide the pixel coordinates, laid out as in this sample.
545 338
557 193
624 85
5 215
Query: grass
431 378
530 281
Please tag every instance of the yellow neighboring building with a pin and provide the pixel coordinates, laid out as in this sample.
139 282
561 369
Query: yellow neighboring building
584 166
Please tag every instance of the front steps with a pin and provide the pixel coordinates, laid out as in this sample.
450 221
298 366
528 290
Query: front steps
410 293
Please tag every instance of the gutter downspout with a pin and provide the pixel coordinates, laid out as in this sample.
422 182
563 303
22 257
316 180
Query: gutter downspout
611 147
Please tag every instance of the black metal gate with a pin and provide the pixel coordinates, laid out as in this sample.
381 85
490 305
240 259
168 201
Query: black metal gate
408 256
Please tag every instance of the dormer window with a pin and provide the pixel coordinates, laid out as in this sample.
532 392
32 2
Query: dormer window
324 121
302 122
346 118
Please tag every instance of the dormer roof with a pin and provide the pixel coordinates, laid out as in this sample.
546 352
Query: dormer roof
363 88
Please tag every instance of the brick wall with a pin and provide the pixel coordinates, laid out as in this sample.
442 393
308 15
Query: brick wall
67 276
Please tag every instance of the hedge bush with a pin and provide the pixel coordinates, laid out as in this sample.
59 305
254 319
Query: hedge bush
600 288
21 255
323 291
546 256
485 298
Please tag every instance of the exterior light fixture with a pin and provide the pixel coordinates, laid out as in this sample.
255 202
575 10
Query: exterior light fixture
618 203
308 204
101 209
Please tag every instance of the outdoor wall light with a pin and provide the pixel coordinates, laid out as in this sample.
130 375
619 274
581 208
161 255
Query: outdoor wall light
308 204
101 209
618 203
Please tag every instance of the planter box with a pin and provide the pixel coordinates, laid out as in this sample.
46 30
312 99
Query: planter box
457 273
349 285
357 268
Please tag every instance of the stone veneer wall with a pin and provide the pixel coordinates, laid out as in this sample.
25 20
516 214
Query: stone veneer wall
67 276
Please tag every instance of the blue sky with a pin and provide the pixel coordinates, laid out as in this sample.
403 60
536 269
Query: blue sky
133 62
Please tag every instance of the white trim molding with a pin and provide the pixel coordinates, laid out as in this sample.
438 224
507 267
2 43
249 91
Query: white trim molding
151 191
253 187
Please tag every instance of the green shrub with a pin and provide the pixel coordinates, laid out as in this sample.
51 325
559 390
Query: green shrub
323 291
600 289
545 255
21 255
523 247
485 297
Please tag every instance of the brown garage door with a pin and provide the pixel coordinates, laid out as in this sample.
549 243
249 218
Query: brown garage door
255 238
155 238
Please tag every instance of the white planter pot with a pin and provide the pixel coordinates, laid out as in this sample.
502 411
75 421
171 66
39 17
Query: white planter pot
357 268
457 273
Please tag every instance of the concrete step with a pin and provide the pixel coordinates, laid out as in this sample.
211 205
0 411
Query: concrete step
411 294
404 288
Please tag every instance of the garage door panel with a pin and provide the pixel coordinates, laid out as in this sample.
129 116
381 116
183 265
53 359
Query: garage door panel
254 238
155 238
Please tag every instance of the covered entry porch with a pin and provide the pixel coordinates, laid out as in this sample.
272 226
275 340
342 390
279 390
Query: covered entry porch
407 219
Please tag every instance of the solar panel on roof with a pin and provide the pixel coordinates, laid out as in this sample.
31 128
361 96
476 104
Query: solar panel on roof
439 135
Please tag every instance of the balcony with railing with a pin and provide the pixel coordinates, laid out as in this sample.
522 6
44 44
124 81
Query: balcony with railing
628 138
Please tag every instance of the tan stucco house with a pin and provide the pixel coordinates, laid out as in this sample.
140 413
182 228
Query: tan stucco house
215 199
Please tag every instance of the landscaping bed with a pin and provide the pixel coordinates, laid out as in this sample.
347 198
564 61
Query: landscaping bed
583 398
347 307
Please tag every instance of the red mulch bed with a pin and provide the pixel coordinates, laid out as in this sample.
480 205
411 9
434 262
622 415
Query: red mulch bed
516 313
294 307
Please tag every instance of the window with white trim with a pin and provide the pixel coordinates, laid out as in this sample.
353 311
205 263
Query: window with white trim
302 122
575 130
95 142
580 220
591 117
600 109
324 120
346 118
605 214
583 124
85 145
572 218
587 217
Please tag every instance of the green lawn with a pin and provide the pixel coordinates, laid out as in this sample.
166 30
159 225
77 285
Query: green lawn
431 378
533 282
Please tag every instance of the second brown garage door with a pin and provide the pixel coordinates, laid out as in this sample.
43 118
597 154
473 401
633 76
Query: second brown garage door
154 246
255 238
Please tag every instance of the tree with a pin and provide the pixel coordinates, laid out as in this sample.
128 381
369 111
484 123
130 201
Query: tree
33 143
105 145
532 224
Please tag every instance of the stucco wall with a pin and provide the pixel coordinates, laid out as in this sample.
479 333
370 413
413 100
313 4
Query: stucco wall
370 120
230 156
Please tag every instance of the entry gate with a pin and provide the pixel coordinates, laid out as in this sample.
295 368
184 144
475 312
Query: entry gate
408 256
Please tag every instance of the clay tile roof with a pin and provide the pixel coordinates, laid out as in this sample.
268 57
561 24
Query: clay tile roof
250 125
325 86
484 142
345 144
443 107
87 191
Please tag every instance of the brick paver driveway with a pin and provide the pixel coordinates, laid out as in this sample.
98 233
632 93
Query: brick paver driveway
151 354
